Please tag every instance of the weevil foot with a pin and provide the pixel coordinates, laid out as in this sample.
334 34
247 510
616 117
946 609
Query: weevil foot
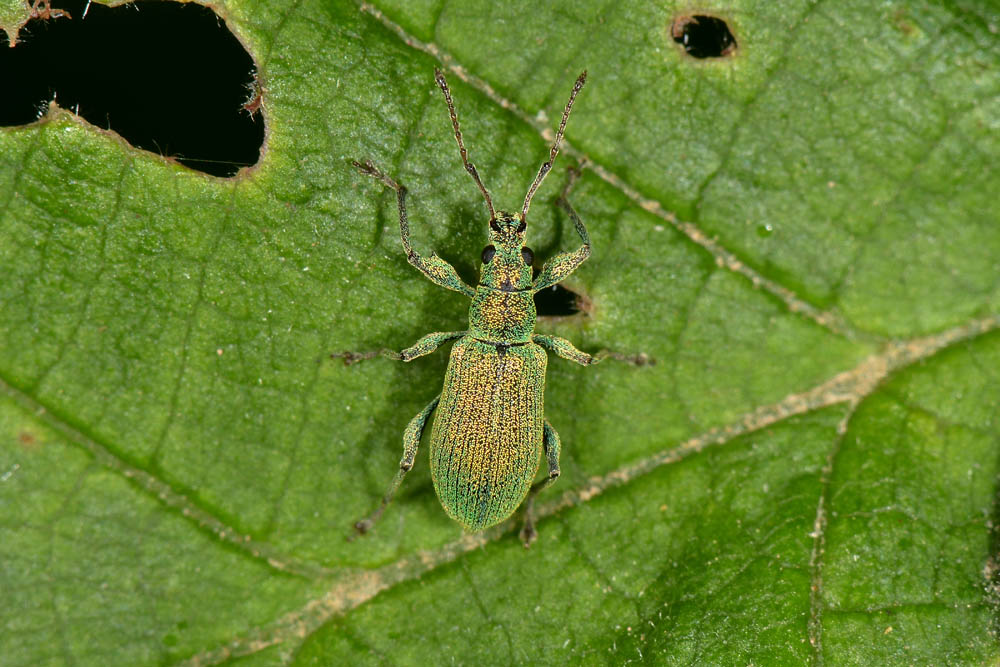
353 357
528 533
360 528
641 359
367 167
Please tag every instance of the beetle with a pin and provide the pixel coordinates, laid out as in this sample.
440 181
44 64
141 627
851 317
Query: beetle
489 426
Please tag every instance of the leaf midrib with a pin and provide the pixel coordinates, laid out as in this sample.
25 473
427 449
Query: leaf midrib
353 589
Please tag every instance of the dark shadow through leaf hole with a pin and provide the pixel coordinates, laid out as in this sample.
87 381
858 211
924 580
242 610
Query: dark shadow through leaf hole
556 301
168 77
703 36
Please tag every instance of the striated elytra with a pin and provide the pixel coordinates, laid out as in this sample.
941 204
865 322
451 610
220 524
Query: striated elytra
489 426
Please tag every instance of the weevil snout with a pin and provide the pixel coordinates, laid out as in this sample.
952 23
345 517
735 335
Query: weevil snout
507 227
506 260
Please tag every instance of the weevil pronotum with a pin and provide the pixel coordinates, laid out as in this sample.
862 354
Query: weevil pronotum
489 428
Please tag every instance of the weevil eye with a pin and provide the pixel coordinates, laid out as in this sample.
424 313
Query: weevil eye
527 255
521 227
488 253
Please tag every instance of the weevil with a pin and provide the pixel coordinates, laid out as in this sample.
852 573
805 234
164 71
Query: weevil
489 426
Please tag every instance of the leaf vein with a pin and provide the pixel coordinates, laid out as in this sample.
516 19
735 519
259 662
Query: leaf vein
356 588
723 257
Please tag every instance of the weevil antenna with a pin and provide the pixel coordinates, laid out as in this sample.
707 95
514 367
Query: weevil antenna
469 167
544 169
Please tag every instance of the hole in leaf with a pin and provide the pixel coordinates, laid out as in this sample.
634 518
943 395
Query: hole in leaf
557 301
169 77
703 36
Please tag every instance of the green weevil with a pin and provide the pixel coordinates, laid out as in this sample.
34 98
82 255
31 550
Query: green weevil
489 428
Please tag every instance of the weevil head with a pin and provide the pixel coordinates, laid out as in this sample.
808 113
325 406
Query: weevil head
506 260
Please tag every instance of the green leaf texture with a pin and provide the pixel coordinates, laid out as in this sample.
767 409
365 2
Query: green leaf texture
804 235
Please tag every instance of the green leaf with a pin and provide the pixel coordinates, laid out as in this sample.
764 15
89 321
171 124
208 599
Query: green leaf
802 234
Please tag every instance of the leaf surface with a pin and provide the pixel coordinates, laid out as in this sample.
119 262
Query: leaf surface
802 235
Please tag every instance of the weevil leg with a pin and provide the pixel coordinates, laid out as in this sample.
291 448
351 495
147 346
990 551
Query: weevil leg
566 350
425 345
436 269
561 265
411 441
550 441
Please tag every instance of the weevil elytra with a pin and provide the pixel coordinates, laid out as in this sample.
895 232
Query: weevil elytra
489 428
